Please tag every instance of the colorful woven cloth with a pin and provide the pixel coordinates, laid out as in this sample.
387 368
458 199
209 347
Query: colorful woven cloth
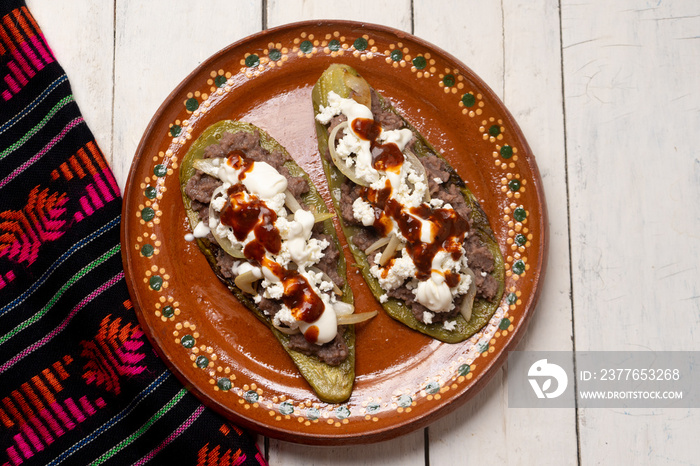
79 382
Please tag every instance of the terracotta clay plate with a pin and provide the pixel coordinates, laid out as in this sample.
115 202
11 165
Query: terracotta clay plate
228 358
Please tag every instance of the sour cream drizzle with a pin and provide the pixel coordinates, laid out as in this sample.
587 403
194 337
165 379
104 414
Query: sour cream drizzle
253 223
430 233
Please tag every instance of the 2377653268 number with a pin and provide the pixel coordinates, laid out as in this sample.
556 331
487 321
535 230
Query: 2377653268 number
640 374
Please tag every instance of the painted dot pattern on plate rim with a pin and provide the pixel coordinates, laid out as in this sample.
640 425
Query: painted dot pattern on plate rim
400 57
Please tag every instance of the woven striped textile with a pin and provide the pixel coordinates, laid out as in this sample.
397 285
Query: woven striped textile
79 382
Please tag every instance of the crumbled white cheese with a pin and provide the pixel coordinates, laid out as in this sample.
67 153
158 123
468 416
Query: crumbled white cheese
401 269
325 285
449 325
284 257
428 317
283 225
363 212
410 188
463 286
272 290
412 176
314 252
326 113
363 166
409 195
347 146
384 298
318 281
276 203
266 183
218 202
284 317
311 276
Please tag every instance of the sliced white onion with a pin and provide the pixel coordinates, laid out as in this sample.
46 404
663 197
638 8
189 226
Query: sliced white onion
360 89
468 302
245 282
419 168
322 216
286 330
225 243
390 250
291 202
355 318
343 309
337 161
377 244
208 166
325 276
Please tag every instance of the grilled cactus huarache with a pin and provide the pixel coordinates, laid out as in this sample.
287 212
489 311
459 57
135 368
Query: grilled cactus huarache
422 242
263 226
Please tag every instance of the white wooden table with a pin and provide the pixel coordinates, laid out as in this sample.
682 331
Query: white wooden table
607 94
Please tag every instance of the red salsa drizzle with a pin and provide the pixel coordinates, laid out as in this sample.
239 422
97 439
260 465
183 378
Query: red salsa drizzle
452 279
448 229
312 334
299 296
245 212
238 160
386 157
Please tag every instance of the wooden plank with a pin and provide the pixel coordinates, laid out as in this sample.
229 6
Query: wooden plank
80 33
634 175
533 93
469 432
395 14
632 118
407 450
472 31
498 45
158 43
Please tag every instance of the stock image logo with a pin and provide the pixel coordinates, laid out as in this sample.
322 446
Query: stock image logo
540 376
